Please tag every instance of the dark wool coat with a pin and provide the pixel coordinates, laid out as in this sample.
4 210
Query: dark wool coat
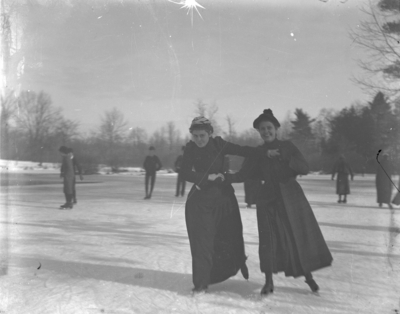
382 181
212 213
68 173
281 189
152 164
343 171
178 163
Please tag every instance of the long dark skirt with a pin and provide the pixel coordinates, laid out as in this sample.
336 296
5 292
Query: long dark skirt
215 234
383 188
277 248
342 184
69 183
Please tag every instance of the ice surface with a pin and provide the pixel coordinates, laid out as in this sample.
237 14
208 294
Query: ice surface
117 253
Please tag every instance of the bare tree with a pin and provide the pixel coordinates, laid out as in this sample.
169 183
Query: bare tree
209 112
112 132
38 119
286 127
173 134
200 108
231 134
113 127
379 35
321 127
66 131
137 136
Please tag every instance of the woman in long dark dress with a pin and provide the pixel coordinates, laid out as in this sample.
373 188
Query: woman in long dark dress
343 170
383 181
212 213
290 239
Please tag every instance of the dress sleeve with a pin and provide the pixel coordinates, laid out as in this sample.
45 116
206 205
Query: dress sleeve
198 178
296 160
229 148
250 170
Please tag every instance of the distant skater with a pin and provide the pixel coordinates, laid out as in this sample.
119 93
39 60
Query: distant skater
68 175
77 170
383 180
180 183
343 170
151 165
290 239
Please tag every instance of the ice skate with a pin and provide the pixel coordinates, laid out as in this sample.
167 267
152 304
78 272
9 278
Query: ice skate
66 206
313 285
269 286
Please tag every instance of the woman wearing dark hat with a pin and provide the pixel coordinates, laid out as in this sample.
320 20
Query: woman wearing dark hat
290 238
343 170
212 212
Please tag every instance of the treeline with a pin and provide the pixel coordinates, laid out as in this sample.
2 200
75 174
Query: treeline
33 129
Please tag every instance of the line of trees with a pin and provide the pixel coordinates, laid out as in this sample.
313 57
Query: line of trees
33 129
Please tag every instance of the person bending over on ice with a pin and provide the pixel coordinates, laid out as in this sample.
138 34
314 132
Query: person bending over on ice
151 165
212 213
342 168
290 239
68 175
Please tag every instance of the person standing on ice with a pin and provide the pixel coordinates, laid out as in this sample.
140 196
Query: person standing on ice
212 213
68 175
151 165
383 180
180 183
343 170
290 239
78 170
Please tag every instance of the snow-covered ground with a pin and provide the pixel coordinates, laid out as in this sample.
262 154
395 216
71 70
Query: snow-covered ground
117 253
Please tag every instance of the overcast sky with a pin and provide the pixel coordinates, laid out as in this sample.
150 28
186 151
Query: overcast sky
148 60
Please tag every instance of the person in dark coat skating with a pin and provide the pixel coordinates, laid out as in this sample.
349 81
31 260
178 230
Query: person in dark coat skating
212 213
151 165
383 180
343 170
180 183
290 238
68 175
77 170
